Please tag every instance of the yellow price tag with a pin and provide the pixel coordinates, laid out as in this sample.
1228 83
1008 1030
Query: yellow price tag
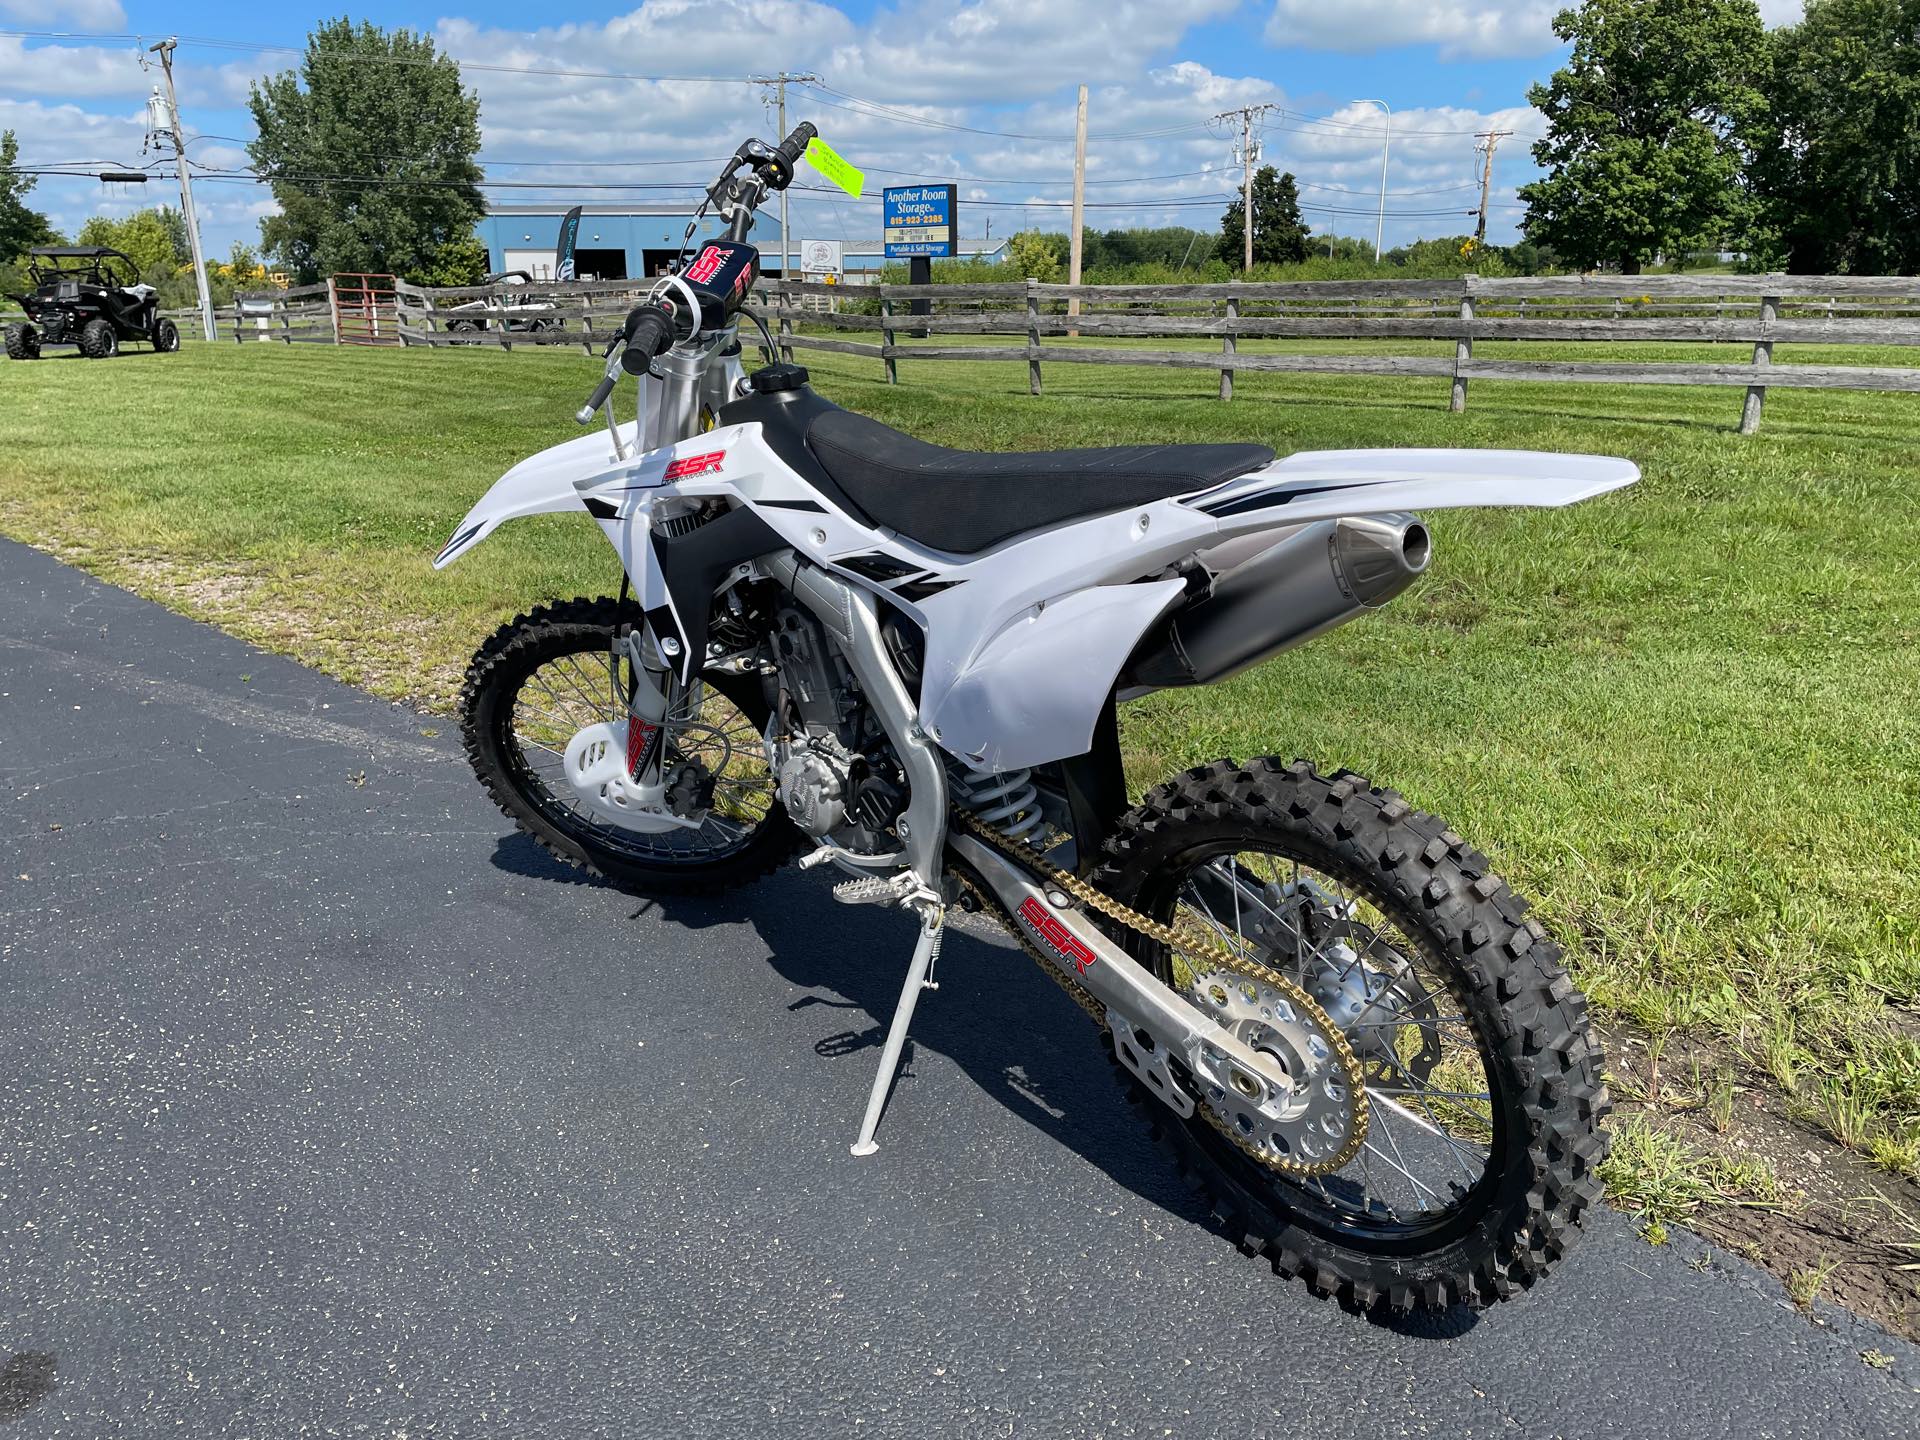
821 156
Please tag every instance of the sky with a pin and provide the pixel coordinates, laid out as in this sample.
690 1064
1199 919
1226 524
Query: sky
978 92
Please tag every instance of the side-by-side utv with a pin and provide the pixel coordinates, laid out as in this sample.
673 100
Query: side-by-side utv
89 296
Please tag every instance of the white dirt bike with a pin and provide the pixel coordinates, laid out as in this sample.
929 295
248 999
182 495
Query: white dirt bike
904 661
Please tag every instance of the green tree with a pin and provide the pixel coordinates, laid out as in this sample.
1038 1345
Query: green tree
20 228
1839 178
1031 255
1649 127
155 240
1279 234
461 261
369 147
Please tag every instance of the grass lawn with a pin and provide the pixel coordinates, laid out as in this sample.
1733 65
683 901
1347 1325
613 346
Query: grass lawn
1683 716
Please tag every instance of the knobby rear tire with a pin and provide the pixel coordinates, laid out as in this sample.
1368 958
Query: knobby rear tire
23 342
97 340
494 677
1511 977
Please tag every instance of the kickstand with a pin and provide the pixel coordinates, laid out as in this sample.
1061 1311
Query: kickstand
925 950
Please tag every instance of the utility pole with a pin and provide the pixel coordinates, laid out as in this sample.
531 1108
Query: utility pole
172 130
1248 156
779 83
1074 241
1493 138
1386 139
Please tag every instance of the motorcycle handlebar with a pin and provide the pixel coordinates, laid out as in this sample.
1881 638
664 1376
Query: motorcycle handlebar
647 334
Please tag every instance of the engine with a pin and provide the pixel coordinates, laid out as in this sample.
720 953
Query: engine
833 767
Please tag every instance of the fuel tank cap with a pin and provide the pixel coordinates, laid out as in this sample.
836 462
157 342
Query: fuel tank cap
774 379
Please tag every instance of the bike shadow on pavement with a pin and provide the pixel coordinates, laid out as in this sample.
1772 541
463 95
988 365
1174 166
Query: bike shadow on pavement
996 1017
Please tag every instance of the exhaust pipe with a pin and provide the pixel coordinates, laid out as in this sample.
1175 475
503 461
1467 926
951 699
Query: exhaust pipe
1320 576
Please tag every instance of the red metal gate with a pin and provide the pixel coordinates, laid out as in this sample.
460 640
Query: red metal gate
365 310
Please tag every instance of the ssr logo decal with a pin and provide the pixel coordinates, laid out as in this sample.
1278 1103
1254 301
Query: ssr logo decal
707 264
707 464
641 735
1057 935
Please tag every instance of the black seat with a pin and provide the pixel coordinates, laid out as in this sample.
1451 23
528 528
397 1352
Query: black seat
963 501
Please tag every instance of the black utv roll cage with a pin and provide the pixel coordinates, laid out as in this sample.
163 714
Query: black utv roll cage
91 265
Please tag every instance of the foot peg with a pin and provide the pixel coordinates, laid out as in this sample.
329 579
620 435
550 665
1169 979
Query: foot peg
879 889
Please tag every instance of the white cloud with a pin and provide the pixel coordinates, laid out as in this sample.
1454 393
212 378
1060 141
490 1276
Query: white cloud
66 14
71 71
1462 29
1479 29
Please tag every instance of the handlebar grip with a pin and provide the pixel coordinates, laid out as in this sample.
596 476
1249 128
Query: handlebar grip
649 332
790 150
795 145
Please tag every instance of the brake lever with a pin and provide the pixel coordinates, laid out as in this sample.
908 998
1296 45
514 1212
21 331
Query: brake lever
601 392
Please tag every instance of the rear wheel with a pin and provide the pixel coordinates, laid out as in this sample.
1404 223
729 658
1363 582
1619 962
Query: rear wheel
166 337
23 342
97 340
540 681
1483 1082
464 332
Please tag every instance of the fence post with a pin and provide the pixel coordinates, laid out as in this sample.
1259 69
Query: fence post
784 320
1229 345
333 309
886 335
1033 336
1762 355
1463 346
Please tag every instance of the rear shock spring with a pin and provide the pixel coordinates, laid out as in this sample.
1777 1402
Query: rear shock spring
1006 800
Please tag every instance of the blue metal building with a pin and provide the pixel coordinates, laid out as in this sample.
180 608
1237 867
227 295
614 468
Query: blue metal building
616 242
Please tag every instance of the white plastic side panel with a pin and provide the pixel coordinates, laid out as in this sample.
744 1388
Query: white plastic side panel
1035 690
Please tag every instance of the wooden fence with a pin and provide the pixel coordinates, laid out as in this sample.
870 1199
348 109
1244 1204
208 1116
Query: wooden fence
1760 311
300 316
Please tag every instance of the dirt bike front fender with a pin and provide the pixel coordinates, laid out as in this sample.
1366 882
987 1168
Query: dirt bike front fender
543 484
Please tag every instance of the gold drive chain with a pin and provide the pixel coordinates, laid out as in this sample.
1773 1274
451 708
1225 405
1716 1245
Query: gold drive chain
1197 946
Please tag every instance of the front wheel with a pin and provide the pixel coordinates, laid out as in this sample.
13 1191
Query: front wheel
541 681
1483 1081
23 342
166 337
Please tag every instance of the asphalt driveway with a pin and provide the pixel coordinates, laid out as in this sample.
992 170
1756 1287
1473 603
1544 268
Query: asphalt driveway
332 1108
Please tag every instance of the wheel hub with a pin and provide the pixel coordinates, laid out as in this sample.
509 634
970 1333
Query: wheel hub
1296 1106
1361 984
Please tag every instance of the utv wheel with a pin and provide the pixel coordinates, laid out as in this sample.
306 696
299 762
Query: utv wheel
538 681
1483 1142
166 337
464 332
23 342
97 340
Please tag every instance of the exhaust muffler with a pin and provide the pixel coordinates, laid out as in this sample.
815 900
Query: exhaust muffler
1320 576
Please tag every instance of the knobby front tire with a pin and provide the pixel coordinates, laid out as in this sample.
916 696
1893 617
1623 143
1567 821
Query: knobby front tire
580 633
